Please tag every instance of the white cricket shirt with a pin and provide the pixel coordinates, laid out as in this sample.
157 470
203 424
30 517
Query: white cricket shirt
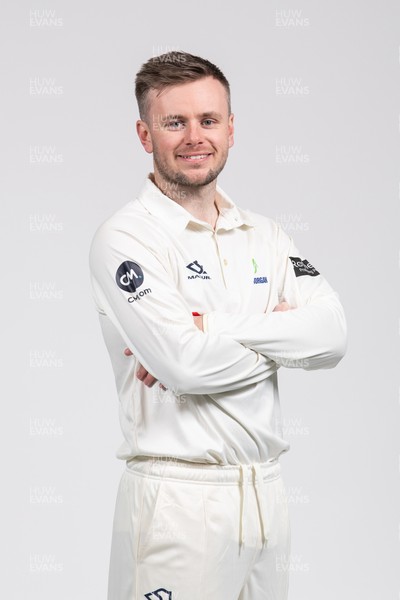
152 264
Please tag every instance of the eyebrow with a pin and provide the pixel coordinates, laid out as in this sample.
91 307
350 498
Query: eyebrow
204 115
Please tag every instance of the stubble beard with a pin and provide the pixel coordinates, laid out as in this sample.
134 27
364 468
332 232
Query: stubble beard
179 178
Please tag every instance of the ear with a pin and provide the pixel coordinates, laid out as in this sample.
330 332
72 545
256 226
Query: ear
144 134
231 130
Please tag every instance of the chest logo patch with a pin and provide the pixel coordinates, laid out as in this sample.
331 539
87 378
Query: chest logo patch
197 270
255 268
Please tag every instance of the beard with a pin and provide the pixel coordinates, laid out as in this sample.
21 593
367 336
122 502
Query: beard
179 178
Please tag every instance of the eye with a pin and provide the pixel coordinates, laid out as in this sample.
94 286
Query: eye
174 124
208 122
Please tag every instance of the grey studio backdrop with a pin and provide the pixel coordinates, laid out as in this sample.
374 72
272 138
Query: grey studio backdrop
315 92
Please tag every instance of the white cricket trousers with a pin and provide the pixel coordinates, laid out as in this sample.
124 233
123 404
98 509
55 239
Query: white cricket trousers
186 531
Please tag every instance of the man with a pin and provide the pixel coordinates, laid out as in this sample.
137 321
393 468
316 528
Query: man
211 300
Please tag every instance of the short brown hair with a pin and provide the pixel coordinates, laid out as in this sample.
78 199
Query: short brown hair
173 68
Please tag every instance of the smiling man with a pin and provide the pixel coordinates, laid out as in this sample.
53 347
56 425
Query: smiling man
200 303
190 145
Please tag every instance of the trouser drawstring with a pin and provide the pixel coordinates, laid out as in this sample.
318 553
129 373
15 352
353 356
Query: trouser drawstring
243 488
258 483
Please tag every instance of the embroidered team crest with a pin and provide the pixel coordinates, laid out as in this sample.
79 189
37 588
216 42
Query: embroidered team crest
160 594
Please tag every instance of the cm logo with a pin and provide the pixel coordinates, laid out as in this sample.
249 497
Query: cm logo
129 276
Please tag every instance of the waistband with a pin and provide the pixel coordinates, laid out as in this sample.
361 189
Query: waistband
172 468
241 475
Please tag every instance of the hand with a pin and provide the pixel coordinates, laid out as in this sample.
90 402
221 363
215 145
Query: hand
198 321
144 375
282 306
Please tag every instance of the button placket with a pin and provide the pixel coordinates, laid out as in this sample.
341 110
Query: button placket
221 260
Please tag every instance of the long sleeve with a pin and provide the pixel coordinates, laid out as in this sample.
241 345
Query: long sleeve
132 285
310 336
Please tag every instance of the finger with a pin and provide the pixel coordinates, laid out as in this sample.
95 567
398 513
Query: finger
145 376
282 306
198 321
149 380
128 352
141 372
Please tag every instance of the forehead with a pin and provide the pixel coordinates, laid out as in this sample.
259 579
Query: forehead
194 97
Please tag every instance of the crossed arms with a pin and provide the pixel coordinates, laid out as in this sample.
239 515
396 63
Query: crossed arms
235 349
147 379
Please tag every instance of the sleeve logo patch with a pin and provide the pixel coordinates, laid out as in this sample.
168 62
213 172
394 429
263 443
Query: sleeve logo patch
303 267
129 276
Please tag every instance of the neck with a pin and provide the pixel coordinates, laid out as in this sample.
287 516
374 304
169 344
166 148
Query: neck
199 201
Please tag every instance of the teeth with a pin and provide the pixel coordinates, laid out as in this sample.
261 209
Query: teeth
195 157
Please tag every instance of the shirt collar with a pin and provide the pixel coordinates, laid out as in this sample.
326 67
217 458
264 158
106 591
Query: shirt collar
163 207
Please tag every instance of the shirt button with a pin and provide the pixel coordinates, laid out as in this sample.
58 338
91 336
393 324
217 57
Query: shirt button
225 262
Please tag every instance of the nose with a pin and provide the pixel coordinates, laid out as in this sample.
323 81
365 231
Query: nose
193 133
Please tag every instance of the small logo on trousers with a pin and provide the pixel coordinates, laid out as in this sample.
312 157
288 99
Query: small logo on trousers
160 594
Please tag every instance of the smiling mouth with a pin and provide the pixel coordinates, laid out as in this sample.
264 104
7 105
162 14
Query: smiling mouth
194 157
